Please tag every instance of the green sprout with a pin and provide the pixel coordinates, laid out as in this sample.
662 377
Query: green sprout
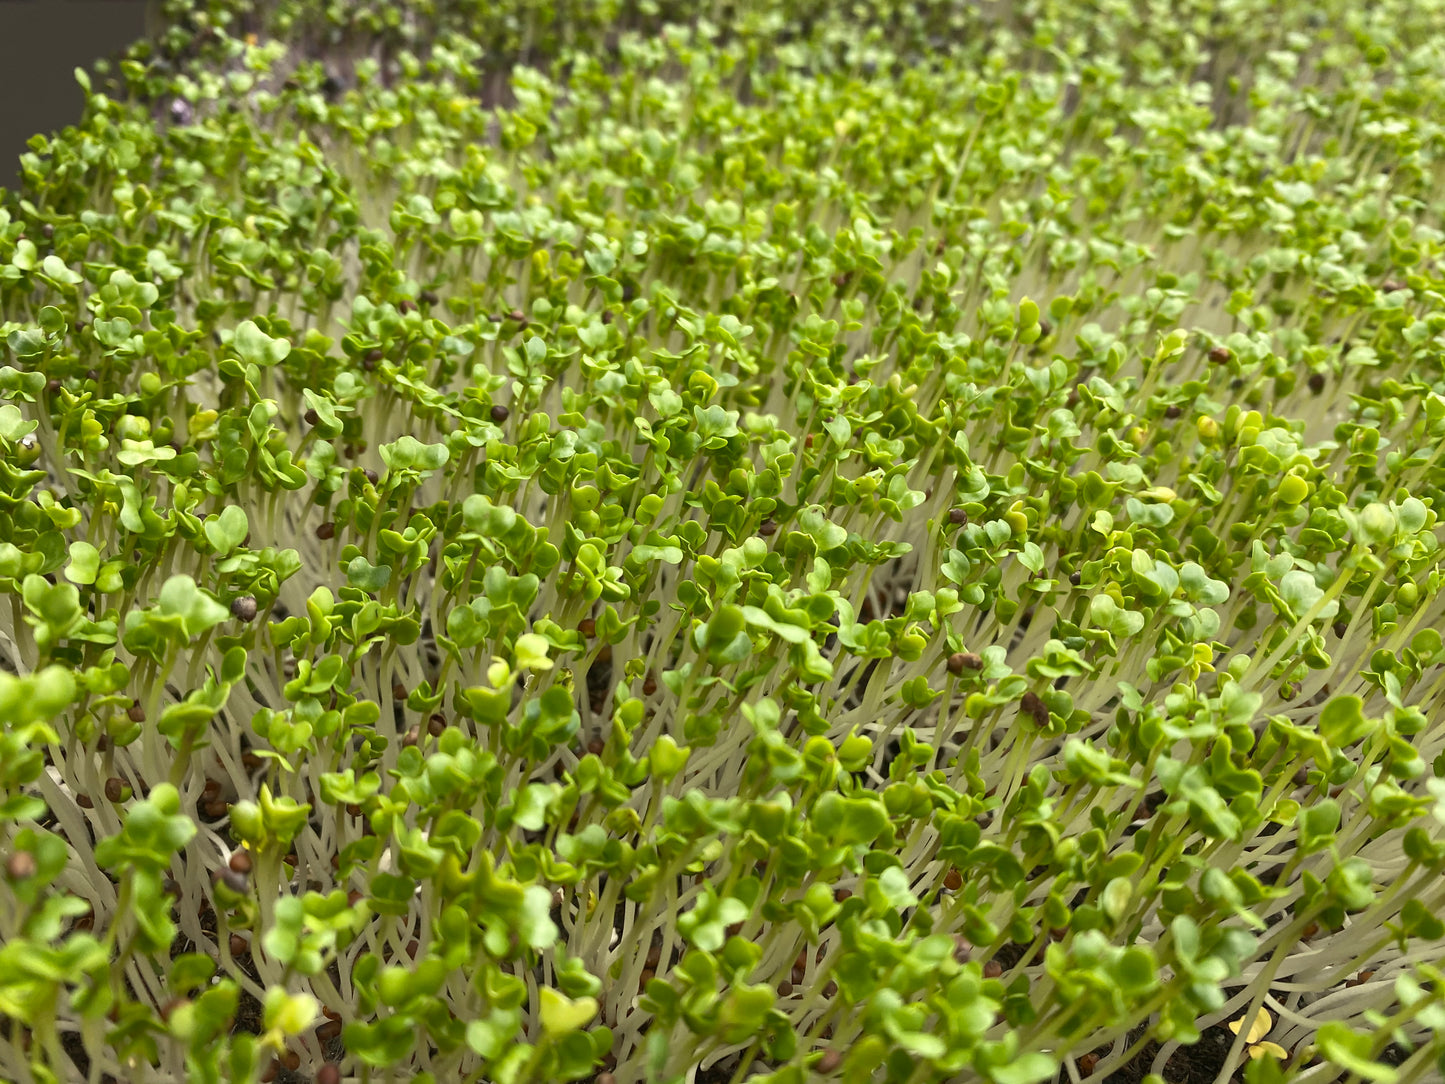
614 542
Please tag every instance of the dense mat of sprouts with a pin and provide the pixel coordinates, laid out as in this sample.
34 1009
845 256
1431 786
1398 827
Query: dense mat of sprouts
889 542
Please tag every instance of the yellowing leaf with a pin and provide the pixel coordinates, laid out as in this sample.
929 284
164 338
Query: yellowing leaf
1261 1026
289 1014
561 1014
1274 1050
498 673
531 652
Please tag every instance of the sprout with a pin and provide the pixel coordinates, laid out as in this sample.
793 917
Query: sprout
588 542
1260 1026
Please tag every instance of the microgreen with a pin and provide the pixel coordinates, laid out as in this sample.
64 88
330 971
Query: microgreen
887 542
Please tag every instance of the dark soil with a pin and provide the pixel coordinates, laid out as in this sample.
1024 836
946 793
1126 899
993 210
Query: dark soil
1197 1064
1202 1062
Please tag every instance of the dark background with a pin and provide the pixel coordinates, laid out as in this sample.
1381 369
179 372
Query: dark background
44 42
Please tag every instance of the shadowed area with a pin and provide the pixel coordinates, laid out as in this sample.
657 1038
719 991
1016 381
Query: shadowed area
46 40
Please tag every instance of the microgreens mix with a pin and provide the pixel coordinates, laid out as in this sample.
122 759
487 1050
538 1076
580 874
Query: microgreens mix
590 541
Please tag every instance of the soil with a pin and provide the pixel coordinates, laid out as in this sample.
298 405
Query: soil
1200 1063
